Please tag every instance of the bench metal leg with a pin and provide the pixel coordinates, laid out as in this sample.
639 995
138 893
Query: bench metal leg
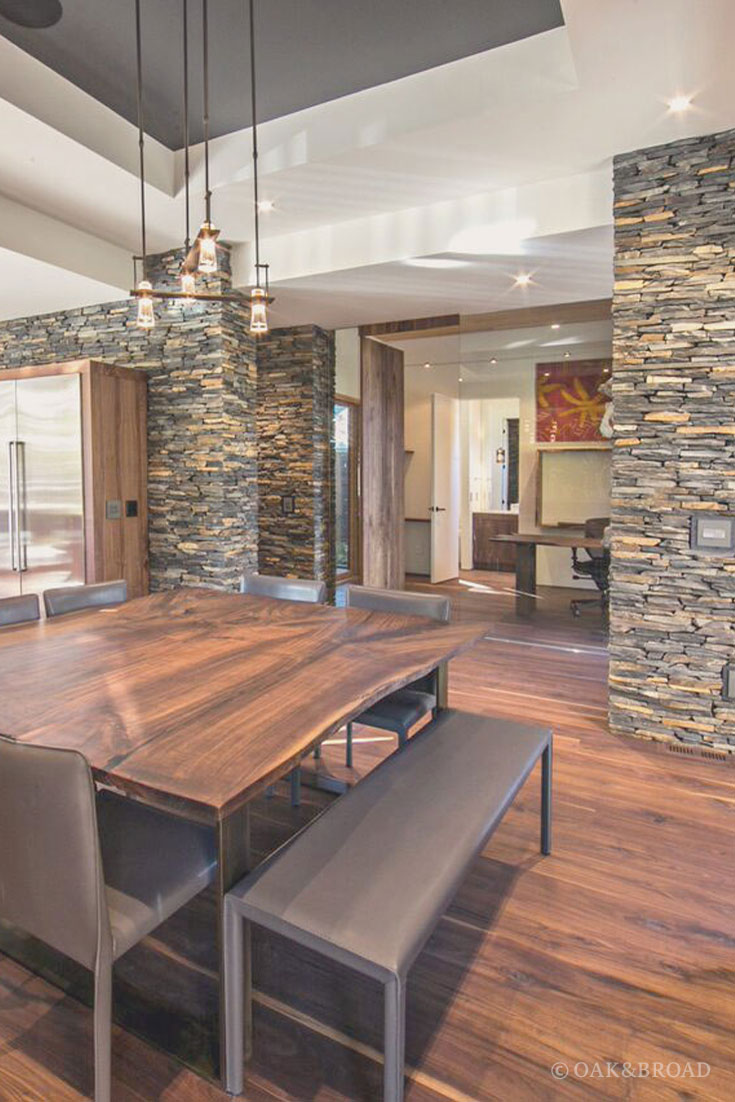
295 778
238 1015
546 799
348 752
394 1042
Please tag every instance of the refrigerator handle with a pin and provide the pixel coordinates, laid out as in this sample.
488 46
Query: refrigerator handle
21 498
12 509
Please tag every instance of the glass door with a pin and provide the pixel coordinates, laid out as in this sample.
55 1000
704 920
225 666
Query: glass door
346 475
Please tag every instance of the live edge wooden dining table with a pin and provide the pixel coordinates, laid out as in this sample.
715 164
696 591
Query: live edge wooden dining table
195 701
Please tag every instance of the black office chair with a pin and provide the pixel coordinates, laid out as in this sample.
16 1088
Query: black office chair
596 566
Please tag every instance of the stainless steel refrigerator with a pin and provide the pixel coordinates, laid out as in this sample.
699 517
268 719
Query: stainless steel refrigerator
41 484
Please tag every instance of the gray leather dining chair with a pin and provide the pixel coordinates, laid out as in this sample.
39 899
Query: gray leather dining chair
401 710
19 610
286 589
90 875
75 598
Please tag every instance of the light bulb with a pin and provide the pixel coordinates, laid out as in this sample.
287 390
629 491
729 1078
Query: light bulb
207 249
188 283
146 317
258 311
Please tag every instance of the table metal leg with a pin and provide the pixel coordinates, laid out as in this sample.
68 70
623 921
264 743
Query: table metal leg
233 848
525 578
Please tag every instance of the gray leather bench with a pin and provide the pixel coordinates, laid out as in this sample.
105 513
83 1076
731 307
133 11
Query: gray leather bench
366 882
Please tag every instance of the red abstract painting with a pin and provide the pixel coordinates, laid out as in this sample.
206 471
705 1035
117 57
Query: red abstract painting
569 406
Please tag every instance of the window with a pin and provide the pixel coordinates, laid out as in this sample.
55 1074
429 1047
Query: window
346 466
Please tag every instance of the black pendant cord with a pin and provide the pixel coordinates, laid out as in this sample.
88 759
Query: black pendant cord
205 119
141 135
186 119
254 122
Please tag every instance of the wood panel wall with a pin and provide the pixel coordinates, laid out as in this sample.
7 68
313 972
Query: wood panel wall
382 465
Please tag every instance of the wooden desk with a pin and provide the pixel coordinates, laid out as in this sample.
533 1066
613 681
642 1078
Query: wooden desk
525 545
195 701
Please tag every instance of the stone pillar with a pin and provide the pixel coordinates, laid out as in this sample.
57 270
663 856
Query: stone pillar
672 609
200 361
295 457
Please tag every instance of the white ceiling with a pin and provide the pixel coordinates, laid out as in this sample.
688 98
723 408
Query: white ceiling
524 133
564 268
26 282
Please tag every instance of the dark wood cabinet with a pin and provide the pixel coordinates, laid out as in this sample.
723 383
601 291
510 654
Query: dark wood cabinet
486 554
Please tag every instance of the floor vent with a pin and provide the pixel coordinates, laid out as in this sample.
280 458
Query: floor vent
699 752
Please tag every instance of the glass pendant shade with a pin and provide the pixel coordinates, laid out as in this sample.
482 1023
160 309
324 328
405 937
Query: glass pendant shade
146 317
207 250
258 311
188 283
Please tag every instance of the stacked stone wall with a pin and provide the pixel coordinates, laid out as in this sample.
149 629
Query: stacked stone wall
673 609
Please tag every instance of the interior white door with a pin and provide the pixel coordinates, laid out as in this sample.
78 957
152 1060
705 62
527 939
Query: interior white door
445 487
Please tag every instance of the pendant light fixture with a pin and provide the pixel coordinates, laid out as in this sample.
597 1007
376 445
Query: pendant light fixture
146 317
208 234
188 279
259 294
201 256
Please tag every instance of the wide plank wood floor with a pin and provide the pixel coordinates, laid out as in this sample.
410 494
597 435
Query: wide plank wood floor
618 947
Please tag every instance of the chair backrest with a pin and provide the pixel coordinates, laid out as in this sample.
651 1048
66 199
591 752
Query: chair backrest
75 598
593 529
19 610
51 880
284 589
398 601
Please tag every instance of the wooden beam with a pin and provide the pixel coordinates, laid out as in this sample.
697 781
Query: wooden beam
382 469
526 317
413 327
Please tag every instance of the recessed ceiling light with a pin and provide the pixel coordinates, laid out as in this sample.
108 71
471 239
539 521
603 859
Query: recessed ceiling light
460 378
436 262
555 325
523 279
493 360
567 355
679 104
427 366
265 206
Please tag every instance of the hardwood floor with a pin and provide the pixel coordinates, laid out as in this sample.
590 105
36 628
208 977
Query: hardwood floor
617 947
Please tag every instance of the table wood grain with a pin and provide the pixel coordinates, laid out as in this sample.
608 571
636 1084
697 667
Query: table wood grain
196 699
